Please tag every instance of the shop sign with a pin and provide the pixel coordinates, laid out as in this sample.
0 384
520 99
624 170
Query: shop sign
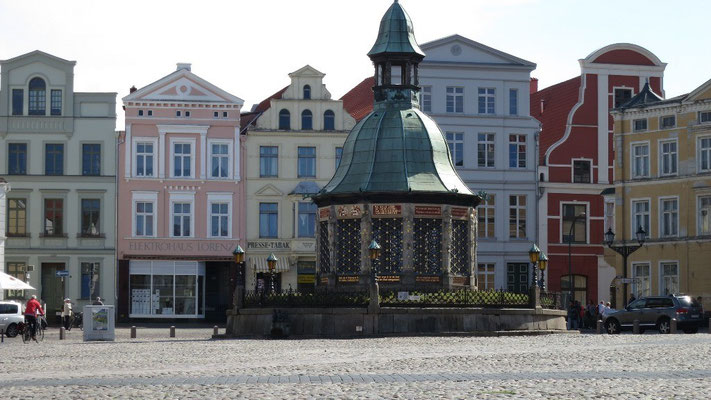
458 212
324 213
428 210
388 278
460 280
306 278
387 209
349 211
269 244
174 247
324 280
349 279
427 279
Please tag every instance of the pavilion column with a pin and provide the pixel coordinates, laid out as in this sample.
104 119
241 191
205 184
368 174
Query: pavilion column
407 274
332 241
447 278
473 227
366 235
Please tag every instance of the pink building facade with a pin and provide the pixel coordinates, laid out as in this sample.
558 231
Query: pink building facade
180 199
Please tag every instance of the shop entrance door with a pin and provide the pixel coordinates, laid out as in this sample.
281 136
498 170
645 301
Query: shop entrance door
218 290
517 277
52 287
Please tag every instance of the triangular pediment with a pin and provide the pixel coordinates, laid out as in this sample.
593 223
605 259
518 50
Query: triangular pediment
269 190
702 92
307 71
458 49
183 85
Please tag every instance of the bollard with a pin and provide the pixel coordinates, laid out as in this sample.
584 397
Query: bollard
172 331
599 327
133 332
635 327
2 335
61 333
672 326
215 330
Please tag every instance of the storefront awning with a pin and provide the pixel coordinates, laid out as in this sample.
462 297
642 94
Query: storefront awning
260 263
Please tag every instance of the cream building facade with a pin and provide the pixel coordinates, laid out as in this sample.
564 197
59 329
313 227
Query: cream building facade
58 148
294 142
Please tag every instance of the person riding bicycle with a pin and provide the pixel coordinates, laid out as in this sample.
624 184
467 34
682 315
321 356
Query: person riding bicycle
33 308
67 313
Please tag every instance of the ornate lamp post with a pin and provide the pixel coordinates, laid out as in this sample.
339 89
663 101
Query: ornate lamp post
238 255
374 251
533 255
542 264
625 250
271 263
570 254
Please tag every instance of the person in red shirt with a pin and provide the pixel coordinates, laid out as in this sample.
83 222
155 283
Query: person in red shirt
33 308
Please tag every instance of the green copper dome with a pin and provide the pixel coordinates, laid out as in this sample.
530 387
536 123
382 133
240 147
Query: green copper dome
396 34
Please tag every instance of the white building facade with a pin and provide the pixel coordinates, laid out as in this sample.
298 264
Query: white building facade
4 188
294 142
57 148
479 96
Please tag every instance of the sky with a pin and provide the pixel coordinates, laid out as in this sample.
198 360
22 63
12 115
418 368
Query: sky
248 47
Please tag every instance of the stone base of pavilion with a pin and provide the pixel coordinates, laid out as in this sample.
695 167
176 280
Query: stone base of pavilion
394 321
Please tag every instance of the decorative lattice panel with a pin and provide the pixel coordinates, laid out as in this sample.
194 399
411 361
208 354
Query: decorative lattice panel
388 233
428 246
348 247
325 252
460 248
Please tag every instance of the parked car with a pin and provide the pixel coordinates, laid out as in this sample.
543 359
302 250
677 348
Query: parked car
657 312
10 317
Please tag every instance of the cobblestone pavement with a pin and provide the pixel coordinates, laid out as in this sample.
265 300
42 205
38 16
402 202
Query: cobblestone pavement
191 365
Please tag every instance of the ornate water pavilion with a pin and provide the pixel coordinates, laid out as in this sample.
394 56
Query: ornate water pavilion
396 186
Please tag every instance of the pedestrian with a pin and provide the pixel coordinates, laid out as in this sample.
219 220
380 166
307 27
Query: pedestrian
573 315
67 313
600 309
97 302
33 308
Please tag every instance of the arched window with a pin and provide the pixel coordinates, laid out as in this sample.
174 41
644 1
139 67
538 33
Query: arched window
329 120
37 98
306 120
284 119
307 92
580 287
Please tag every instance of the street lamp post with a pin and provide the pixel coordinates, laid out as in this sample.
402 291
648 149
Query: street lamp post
542 264
238 255
570 255
533 255
374 251
625 250
271 263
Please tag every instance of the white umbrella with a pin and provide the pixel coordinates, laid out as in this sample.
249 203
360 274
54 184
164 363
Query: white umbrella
8 282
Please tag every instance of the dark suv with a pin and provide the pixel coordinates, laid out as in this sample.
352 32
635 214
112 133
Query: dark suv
657 312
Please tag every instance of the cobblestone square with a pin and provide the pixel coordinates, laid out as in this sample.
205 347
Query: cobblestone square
191 365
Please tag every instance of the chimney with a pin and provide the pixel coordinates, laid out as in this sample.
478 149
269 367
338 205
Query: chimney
534 85
183 66
132 89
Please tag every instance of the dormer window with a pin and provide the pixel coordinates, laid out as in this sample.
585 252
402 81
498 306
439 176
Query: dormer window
38 97
329 120
306 120
56 102
307 92
284 119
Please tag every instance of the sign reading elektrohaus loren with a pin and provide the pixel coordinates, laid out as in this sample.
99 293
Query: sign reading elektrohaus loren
181 246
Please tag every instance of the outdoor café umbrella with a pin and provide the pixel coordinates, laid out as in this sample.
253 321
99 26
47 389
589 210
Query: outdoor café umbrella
8 282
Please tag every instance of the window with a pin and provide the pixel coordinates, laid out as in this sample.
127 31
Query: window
140 113
669 209
90 217
307 162
38 97
455 140
640 216
670 278
640 161
668 155
581 171
513 101
144 159
224 114
16 217
487 98
182 217
641 285
705 154
622 96
55 103
220 160
90 282
306 120
570 211
216 114
307 92
486 215
91 159
178 113
19 271
426 99
339 155
268 161
144 218
667 121
580 287
704 215
455 99
485 150
54 159
517 217
610 215
182 157
284 119
18 101
485 276
517 151
53 217
150 113
268 220
639 125
187 114
17 158
219 220
704 116
307 219
329 120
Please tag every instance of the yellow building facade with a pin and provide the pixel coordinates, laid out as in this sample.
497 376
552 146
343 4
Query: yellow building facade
663 184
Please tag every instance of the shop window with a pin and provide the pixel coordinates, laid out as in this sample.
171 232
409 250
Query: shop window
580 287
90 282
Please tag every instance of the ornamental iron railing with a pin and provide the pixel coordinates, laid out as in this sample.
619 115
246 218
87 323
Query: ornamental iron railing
293 299
454 298
552 300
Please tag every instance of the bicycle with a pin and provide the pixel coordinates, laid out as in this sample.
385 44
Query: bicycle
40 327
76 321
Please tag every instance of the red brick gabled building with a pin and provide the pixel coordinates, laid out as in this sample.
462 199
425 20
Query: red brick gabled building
576 158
